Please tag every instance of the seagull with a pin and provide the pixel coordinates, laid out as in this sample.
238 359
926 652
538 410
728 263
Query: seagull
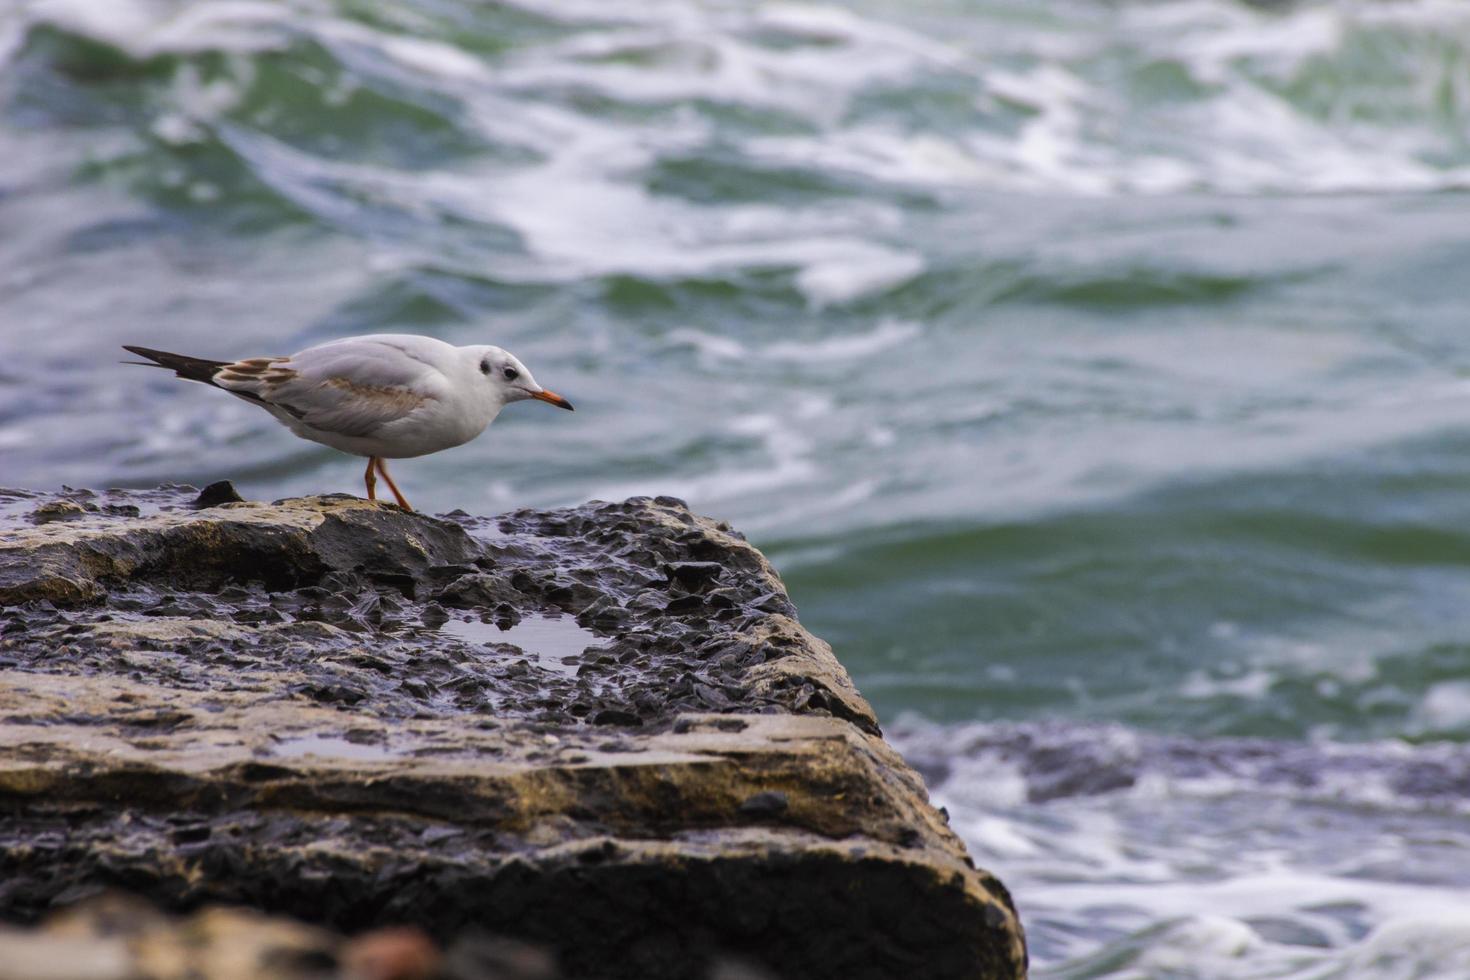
384 396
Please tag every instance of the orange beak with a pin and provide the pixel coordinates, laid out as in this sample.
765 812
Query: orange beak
553 398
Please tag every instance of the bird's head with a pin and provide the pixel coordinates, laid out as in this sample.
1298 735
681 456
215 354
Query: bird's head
509 379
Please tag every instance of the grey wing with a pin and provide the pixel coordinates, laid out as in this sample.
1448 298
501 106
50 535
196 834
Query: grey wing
351 388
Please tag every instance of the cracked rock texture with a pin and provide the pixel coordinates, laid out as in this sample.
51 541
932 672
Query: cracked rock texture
599 730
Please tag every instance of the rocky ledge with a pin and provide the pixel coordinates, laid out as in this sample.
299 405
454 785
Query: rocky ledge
598 730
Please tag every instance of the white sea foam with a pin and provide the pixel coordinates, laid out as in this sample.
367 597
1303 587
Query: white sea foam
832 349
1195 868
1430 944
1444 709
1236 133
886 336
1251 684
849 277
434 57
1239 136
12 36
150 27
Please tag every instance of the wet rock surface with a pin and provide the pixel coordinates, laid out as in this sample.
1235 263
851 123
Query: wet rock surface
598 729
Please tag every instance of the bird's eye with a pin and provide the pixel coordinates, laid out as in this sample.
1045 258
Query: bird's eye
485 366
511 374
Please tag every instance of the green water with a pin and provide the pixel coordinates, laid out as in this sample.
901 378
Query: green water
1097 374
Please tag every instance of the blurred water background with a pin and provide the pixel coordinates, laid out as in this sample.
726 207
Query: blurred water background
1097 375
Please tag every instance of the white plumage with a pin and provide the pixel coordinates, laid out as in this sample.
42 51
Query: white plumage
386 396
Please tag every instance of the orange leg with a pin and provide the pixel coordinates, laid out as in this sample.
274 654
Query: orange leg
371 479
383 469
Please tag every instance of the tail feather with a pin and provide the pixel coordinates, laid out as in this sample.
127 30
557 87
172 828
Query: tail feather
188 368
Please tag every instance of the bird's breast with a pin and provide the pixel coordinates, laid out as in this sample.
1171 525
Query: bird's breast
448 424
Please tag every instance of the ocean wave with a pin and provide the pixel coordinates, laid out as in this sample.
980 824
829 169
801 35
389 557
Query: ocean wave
1137 855
1409 939
1144 98
1052 761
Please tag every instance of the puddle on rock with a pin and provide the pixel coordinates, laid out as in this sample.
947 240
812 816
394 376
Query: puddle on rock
549 641
331 747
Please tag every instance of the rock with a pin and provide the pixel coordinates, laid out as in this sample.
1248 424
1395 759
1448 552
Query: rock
766 804
116 937
395 953
57 510
330 709
494 958
221 492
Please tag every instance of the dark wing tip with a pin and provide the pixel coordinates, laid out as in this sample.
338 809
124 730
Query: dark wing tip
142 352
188 368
